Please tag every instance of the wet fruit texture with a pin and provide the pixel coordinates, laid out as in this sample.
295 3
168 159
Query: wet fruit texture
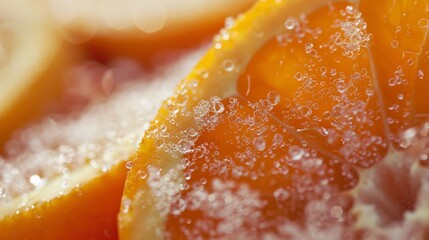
252 155
399 44
321 69
314 129
63 178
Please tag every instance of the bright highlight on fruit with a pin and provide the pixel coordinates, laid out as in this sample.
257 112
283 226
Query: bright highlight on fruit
303 121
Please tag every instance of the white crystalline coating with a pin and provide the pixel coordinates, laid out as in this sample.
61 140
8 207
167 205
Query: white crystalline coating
391 200
353 34
104 134
165 187
231 210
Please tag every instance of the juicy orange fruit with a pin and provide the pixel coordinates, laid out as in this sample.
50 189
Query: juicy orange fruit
302 121
63 178
85 212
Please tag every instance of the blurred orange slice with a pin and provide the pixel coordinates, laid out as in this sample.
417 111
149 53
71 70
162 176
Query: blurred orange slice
63 178
290 128
32 59
141 29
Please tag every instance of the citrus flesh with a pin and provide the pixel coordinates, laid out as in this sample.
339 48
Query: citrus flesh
290 127
64 177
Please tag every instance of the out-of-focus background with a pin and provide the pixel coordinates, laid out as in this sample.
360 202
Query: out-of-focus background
56 56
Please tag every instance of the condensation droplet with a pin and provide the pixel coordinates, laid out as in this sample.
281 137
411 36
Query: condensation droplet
420 74
228 65
273 98
217 106
394 43
185 146
142 174
129 164
259 143
305 111
296 152
278 139
291 23
298 76
281 194
341 86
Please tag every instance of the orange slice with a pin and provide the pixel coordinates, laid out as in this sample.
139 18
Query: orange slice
142 29
32 57
286 129
64 177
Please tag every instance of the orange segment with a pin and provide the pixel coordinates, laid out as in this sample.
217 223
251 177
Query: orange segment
321 70
282 132
142 215
32 58
86 212
64 177
247 154
421 107
399 31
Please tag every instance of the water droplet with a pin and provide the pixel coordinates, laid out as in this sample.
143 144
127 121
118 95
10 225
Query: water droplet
185 146
326 115
394 43
187 176
228 65
341 86
142 174
291 23
259 143
410 133
369 92
296 152
217 106
420 74
273 98
350 9
129 164
278 139
298 76
305 111
281 195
